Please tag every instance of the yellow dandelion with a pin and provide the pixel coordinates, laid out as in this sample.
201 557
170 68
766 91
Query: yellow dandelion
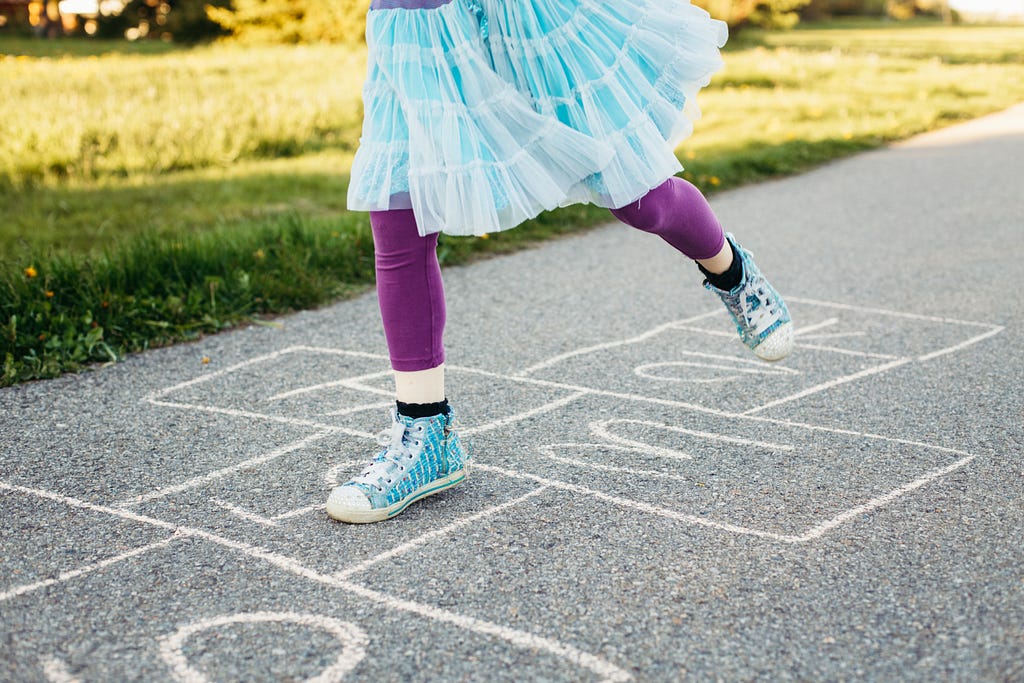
258 254
714 180
485 236
31 272
49 294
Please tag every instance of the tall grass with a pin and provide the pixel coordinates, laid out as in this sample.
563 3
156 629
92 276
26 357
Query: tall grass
126 115
61 312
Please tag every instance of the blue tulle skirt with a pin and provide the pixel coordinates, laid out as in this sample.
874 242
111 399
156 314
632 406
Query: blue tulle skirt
480 114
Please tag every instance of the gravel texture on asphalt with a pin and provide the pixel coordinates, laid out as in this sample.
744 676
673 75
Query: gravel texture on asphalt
649 502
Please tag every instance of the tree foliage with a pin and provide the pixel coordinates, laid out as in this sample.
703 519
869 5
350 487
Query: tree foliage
293 21
764 13
184 21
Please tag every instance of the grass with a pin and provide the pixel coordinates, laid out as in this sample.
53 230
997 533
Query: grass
179 192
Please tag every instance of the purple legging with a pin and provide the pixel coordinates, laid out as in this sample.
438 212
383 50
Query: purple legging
411 293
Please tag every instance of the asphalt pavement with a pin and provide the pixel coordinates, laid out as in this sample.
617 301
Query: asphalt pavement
649 502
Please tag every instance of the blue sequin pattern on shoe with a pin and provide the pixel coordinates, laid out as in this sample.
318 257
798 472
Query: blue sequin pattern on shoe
416 452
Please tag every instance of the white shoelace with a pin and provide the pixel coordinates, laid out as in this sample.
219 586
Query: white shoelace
402 450
763 316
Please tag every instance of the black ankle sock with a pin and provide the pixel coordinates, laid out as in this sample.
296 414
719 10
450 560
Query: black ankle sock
418 410
730 278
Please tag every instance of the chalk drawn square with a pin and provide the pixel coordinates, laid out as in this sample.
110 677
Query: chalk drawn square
700 361
738 474
38 550
279 504
353 392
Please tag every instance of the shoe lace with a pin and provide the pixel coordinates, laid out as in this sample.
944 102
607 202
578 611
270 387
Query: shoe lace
757 305
402 445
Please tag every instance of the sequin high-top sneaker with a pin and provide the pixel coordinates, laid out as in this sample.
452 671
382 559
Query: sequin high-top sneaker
420 458
761 317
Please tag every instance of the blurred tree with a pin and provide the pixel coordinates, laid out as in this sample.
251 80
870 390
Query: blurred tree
896 9
765 13
184 21
293 21
188 22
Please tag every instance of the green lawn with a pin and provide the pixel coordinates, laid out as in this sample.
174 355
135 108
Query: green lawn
154 193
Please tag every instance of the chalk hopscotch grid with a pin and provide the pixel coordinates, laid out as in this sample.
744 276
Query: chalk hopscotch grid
605 670
575 392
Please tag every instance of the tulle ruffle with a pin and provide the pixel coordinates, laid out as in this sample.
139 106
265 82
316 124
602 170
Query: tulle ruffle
480 114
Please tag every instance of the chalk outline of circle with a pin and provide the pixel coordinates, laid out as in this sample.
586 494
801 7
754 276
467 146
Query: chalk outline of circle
645 371
352 638
602 429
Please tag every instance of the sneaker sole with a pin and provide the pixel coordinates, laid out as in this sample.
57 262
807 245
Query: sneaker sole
366 516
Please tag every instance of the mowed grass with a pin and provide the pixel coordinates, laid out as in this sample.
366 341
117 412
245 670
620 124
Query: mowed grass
154 195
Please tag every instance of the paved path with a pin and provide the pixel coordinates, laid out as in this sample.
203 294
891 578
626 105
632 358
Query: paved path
649 503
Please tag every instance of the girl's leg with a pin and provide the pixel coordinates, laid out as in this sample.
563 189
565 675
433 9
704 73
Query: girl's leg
422 453
678 213
412 305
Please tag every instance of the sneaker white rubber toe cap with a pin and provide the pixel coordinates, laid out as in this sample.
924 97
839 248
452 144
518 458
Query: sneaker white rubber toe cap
776 345
346 502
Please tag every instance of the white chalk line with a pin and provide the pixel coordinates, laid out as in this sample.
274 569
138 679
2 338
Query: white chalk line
818 388
645 371
206 377
640 506
370 389
330 478
802 345
554 360
573 388
639 398
885 311
224 472
57 671
845 352
879 501
86 569
85 505
329 385
600 428
519 417
803 331
379 405
681 324
244 514
734 361
331 475
522 639
202 379
520 378
831 335
435 534
352 638
813 533
547 450
963 345
706 331
298 512
252 415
